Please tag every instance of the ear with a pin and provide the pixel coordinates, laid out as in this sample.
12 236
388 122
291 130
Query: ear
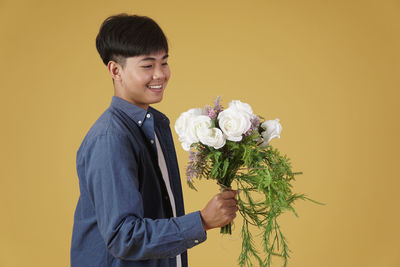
115 70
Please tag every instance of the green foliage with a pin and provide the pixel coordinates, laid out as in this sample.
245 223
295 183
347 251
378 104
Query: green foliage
264 178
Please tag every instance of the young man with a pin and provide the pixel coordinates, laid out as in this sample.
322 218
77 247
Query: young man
130 210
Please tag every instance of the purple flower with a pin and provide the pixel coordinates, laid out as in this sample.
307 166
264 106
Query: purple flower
217 106
191 167
196 164
210 112
255 123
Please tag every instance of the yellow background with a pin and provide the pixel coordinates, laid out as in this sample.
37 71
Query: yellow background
328 69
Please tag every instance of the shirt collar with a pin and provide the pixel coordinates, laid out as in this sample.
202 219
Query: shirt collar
137 114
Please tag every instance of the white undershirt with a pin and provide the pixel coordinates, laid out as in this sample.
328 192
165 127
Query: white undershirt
164 171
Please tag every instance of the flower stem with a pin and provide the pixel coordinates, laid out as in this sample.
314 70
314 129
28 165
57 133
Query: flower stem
227 229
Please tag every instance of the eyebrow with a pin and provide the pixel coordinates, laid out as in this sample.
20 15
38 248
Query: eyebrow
153 59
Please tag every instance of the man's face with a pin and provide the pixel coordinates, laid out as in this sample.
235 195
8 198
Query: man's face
144 78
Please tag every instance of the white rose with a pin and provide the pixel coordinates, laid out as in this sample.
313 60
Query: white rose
242 107
272 130
234 123
189 124
181 123
186 146
212 137
196 126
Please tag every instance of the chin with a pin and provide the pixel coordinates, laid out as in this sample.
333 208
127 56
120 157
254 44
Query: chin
155 100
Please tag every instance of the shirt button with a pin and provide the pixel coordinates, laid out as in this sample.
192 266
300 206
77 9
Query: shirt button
140 122
152 141
148 116
196 241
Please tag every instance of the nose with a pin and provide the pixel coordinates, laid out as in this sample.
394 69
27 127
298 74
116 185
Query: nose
159 74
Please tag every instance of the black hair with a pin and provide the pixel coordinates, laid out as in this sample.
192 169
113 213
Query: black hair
122 35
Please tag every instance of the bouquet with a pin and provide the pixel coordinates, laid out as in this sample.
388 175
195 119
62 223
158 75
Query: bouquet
232 145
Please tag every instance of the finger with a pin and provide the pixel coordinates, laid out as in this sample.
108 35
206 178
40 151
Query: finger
233 209
228 194
231 217
230 210
230 202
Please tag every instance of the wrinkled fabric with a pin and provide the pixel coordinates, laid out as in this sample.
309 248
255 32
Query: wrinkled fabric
124 215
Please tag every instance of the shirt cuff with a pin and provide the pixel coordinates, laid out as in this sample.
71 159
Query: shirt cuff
193 231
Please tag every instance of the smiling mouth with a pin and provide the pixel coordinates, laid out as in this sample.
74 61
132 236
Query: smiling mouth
154 86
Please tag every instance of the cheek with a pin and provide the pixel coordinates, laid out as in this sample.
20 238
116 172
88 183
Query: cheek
141 77
167 73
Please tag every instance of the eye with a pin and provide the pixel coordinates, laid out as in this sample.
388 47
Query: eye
147 66
165 64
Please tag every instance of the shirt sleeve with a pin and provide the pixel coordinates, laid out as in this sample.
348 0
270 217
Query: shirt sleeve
112 183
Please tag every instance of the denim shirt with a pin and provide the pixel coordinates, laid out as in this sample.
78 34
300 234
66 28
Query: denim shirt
124 216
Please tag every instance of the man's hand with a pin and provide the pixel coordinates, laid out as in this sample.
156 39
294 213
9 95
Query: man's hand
220 210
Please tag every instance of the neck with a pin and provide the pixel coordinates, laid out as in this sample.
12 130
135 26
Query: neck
120 94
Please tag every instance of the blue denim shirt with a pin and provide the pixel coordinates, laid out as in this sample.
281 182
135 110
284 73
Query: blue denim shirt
124 216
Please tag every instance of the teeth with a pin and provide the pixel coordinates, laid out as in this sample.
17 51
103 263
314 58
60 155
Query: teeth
154 86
